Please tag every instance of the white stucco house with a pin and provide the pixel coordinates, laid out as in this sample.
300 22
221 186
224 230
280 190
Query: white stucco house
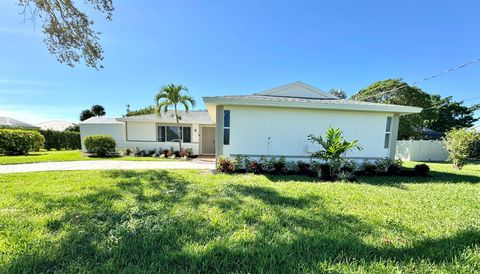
274 123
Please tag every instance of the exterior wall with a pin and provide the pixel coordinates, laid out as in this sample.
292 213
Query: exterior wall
141 131
145 134
117 131
421 150
256 131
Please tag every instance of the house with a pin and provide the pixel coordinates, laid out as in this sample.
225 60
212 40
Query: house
7 122
57 125
274 123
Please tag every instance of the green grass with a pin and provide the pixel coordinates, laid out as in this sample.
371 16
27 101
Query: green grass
193 221
66 155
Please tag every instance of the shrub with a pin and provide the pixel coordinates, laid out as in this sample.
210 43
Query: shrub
395 167
368 168
267 165
100 145
280 165
460 143
61 139
254 167
225 165
303 168
241 163
388 166
291 167
18 141
422 169
186 152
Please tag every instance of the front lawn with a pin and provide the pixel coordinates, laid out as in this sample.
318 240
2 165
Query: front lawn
65 155
194 221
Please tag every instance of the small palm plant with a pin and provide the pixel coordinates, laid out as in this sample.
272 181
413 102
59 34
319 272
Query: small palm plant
333 146
172 95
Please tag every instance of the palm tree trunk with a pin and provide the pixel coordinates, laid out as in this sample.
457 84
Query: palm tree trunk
180 133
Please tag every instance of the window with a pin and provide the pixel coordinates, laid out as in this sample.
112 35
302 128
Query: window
172 134
388 129
226 127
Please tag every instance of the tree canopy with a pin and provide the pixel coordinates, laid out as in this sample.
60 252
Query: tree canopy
69 33
146 110
95 110
440 114
340 93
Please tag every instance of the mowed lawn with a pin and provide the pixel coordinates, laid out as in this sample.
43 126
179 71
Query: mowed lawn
193 221
66 155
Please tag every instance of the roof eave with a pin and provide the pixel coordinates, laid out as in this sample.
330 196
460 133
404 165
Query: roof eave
402 110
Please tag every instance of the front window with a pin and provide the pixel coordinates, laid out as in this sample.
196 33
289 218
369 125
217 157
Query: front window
173 134
388 129
226 127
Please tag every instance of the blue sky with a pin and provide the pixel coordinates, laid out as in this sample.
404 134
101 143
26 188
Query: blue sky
240 47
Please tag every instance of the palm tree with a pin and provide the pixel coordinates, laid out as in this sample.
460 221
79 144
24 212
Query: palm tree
171 95
333 146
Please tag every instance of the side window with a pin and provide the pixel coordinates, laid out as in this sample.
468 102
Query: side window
388 130
226 127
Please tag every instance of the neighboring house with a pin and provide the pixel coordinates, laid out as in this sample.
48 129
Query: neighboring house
274 123
7 122
57 125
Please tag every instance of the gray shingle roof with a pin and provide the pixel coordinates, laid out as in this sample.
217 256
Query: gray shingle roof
191 117
10 122
320 103
101 120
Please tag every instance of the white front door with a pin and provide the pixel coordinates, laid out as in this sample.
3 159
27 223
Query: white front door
208 140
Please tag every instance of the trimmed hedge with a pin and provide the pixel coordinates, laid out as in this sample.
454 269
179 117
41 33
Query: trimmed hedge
61 139
19 141
100 145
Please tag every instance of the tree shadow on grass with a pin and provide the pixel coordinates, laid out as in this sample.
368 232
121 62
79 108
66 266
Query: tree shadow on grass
171 227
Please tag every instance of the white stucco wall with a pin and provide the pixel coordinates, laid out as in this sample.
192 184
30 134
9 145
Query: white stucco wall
141 131
117 131
144 136
282 131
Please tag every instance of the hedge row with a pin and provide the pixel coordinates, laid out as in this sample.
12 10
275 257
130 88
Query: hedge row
61 139
100 145
20 142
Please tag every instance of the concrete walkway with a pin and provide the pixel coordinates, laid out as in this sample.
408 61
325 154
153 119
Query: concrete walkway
105 164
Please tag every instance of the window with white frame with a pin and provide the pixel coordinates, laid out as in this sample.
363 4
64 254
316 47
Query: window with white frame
226 127
388 131
173 134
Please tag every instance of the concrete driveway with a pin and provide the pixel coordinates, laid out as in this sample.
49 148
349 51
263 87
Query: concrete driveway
105 164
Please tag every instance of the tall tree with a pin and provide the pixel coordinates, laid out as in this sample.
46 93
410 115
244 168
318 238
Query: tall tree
69 33
94 111
395 91
171 96
86 114
340 93
448 114
98 110
142 111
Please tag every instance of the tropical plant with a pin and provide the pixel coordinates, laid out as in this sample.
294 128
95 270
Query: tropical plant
333 146
172 95
86 114
459 143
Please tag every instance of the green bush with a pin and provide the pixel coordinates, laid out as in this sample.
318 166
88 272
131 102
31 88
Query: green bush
460 143
19 141
100 145
61 139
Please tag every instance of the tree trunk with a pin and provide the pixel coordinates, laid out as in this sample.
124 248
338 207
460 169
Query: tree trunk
180 133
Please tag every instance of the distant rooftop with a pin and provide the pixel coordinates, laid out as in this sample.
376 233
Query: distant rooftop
57 125
101 120
193 116
14 123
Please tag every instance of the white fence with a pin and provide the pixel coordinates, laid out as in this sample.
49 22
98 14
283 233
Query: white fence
421 150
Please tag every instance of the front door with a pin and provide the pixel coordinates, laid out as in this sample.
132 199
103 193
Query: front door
208 140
